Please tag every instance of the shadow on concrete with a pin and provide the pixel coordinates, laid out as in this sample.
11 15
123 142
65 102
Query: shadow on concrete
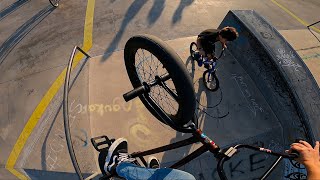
56 119
178 13
22 31
130 14
13 7
201 114
156 11
190 64
153 15
44 145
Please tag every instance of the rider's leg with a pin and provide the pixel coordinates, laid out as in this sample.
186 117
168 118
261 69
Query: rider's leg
200 48
117 153
131 171
119 162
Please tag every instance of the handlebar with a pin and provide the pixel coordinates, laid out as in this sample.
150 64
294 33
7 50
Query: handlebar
222 51
226 154
215 58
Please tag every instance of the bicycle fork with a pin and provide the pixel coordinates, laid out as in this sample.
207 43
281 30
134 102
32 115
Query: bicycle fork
211 72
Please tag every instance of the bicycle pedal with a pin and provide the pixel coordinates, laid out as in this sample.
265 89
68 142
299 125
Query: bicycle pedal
101 143
106 177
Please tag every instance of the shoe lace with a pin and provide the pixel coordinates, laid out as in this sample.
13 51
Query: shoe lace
124 157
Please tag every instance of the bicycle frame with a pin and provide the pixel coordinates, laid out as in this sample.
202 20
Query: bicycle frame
222 155
212 63
210 145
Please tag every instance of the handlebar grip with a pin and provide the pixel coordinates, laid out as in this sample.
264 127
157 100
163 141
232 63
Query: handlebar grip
134 93
294 152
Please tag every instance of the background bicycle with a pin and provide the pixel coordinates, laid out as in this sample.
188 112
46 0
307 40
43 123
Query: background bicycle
209 77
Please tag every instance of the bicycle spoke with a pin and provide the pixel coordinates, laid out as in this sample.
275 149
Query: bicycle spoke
166 101
148 67
145 67
170 102
160 80
146 62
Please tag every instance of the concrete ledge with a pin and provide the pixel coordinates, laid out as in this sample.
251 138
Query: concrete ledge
278 72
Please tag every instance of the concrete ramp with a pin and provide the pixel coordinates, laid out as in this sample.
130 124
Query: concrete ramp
278 71
267 97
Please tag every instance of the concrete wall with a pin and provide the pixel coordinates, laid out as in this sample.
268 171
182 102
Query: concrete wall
278 72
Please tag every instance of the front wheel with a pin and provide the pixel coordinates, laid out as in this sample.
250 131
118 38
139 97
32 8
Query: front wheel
147 57
210 80
54 3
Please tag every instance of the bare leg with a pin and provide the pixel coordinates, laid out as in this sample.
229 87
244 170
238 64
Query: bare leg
200 49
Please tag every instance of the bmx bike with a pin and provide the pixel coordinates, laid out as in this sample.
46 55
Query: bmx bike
54 3
210 80
160 79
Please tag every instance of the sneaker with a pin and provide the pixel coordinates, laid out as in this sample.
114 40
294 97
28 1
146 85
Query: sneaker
153 163
117 153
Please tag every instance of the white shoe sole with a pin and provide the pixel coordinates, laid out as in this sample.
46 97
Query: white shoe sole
149 160
113 146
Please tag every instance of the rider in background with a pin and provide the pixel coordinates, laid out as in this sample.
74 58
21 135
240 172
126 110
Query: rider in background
207 38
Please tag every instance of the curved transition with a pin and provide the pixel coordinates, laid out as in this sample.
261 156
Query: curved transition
279 73
275 86
267 97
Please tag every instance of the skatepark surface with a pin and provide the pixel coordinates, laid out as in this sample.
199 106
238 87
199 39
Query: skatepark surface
268 97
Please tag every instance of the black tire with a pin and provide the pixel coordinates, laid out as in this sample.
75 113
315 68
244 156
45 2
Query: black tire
170 62
54 3
193 47
211 84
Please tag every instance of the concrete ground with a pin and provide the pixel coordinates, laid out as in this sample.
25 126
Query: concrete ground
224 115
36 41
